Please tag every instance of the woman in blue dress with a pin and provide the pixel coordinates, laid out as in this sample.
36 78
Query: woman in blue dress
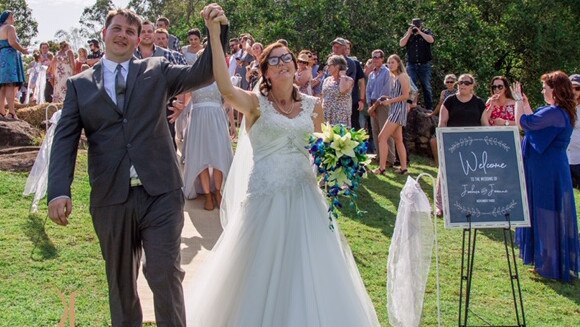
11 69
551 243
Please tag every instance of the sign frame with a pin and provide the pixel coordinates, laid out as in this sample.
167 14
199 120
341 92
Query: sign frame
494 137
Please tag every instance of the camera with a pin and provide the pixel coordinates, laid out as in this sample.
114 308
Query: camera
415 30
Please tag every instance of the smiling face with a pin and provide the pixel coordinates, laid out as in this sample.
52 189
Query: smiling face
194 40
465 85
161 40
498 87
147 34
283 71
121 38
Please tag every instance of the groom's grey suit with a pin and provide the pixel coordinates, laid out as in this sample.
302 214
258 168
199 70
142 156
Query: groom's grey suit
128 219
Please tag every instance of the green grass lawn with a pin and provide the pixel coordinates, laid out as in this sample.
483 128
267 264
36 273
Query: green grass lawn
39 261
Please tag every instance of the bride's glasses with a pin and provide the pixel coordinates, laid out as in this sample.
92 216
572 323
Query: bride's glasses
274 61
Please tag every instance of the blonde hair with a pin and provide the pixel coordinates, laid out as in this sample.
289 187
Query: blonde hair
401 67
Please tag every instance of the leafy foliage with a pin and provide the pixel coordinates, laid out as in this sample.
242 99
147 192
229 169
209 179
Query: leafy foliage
26 26
93 18
520 39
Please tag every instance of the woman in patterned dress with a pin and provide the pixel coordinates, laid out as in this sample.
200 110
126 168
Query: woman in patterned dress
64 65
397 115
500 107
336 89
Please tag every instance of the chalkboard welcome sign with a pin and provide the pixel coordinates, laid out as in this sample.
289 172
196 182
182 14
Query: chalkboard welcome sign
482 177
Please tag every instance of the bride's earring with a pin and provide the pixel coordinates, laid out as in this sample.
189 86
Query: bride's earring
268 82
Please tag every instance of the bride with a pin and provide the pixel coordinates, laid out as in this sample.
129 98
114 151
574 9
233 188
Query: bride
277 262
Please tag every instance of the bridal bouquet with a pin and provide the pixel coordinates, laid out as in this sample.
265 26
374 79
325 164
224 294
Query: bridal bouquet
340 154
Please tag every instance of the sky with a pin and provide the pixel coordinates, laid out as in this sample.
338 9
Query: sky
54 15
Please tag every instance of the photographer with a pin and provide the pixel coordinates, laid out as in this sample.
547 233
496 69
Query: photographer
418 42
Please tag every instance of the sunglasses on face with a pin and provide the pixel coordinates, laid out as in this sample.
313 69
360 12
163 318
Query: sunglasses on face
498 87
377 57
577 88
466 83
274 61
449 82
302 62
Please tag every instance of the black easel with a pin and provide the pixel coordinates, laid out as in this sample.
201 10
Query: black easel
467 273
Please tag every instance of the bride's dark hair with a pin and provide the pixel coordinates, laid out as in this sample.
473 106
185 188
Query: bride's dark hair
265 85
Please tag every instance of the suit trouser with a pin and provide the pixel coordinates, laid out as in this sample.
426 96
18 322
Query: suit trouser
48 90
377 123
152 224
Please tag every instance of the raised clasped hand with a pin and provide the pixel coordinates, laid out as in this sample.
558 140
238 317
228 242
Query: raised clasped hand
214 16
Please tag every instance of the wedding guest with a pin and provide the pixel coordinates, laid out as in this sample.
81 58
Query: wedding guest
64 65
303 76
500 107
11 67
208 150
461 109
379 85
81 60
574 147
551 243
277 262
450 81
336 92
397 100
190 51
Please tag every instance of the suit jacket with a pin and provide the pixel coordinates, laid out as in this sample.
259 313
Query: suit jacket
138 135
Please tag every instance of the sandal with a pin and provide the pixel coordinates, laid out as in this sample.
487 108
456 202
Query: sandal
11 116
401 171
378 171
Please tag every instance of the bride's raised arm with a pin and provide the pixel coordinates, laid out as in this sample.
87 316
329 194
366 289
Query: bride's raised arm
243 101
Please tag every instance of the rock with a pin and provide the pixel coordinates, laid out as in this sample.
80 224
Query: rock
17 133
420 127
18 159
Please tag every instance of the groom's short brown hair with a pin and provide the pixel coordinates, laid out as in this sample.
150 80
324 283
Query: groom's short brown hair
131 16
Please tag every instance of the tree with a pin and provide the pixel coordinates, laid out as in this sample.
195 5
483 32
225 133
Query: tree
93 18
26 26
74 36
520 39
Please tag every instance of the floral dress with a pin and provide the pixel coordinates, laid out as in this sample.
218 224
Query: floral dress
337 107
63 70
505 112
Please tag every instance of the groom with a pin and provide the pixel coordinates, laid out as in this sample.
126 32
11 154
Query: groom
136 197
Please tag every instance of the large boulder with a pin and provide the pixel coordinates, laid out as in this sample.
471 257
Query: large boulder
18 159
17 133
420 127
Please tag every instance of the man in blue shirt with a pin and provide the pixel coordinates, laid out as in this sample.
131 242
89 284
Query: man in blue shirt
379 85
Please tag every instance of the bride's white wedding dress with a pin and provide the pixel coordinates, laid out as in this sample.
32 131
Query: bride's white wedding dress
277 262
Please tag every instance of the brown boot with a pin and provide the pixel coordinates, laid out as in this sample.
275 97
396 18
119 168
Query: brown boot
208 202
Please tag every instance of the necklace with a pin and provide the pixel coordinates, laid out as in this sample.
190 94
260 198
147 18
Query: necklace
282 109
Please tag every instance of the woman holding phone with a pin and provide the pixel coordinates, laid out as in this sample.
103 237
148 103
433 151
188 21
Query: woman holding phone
551 242
336 89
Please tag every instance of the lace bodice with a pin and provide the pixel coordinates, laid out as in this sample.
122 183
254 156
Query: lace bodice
278 144
206 95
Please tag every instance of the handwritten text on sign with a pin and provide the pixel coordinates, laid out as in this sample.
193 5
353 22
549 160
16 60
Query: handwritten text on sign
482 177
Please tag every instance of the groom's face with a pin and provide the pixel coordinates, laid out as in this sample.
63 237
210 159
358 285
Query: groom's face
121 39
